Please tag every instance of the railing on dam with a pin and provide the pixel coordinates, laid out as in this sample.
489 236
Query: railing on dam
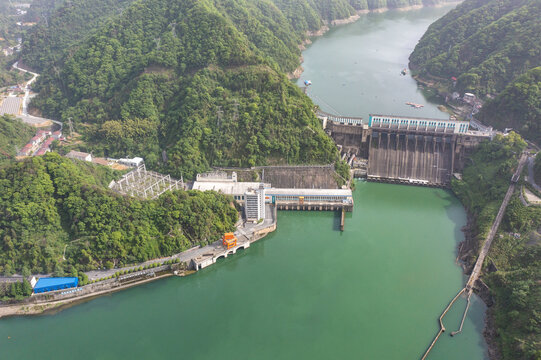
416 124
350 120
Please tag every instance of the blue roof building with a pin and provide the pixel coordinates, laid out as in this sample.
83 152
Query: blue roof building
52 284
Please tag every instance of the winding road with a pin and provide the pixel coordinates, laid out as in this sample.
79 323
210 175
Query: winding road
30 119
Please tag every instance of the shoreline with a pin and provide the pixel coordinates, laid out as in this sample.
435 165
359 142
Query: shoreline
464 257
109 286
296 74
59 305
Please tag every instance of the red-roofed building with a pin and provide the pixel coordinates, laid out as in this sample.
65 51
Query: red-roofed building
42 151
26 150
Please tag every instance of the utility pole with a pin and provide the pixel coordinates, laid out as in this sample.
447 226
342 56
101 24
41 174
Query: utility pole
70 124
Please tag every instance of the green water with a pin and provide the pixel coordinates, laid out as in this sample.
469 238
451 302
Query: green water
306 291
355 69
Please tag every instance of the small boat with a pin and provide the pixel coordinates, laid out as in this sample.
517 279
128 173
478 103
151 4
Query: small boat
404 71
307 82
414 105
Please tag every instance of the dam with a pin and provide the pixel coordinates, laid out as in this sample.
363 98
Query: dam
407 150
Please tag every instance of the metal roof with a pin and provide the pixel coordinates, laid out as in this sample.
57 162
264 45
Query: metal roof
48 284
309 192
227 187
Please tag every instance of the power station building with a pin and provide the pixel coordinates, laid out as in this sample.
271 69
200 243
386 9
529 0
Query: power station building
254 195
251 195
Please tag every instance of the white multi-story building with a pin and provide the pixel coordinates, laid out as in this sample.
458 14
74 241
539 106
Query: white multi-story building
254 204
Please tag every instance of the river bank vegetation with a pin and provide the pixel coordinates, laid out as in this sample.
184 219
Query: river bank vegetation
513 266
58 216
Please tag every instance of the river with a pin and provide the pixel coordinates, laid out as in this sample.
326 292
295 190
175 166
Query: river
307 291
356 69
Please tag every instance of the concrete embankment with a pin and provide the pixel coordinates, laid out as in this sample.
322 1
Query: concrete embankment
58 301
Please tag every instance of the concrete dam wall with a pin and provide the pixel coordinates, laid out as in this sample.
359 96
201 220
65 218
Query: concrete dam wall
411 158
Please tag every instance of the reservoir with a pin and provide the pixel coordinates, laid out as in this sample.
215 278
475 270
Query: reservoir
356 69
307 291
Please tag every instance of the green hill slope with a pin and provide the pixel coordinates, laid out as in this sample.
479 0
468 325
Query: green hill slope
485 44
195 81
518 106
13 134
49 202
45 43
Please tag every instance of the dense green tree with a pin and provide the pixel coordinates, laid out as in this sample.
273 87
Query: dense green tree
518 106
14 134
486 44
50 204
515 251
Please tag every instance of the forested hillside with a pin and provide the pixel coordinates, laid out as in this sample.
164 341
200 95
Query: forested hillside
486 44
491 47
9 33
200 82
14 134
45 44
518 106
515 255
50 203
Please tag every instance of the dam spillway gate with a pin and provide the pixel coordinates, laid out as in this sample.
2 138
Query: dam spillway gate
406 150
411 158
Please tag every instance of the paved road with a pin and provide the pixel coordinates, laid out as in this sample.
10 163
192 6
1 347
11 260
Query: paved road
27 86
531 178
29 119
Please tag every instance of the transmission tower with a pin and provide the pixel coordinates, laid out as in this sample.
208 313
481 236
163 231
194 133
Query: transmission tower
219 114
158 42
236 114
173 28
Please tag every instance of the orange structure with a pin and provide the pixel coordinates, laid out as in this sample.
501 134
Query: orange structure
229 240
